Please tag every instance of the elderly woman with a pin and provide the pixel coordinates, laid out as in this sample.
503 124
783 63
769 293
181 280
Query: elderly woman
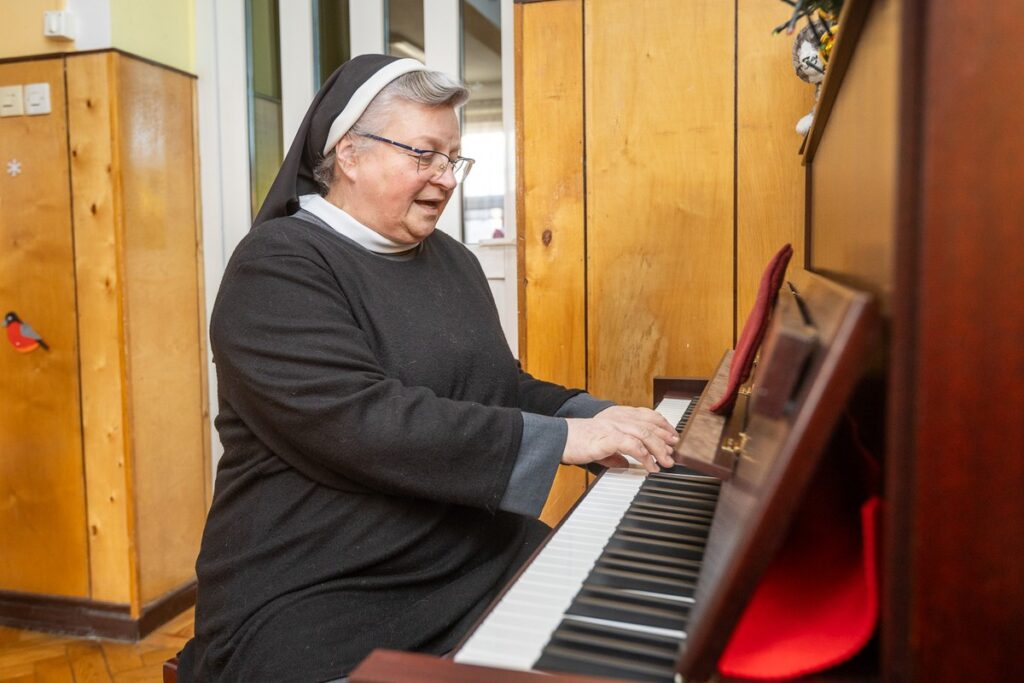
385 458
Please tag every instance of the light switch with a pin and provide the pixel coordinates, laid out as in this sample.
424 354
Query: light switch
59 25
10 100
37 99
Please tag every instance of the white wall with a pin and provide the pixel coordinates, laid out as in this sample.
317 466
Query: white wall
442 23
223 149
296 33
366 26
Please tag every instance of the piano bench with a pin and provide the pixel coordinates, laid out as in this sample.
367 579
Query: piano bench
171 670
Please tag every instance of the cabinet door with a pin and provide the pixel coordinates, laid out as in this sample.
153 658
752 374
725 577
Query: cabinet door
43 542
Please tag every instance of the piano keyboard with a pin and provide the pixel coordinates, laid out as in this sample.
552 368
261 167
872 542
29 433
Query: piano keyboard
630 616
676 411
519 626
610 590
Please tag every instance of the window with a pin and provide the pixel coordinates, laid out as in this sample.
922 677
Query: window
264 70
332 45
483 136
405 29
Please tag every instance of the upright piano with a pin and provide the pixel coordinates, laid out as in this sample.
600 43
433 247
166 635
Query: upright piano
649 576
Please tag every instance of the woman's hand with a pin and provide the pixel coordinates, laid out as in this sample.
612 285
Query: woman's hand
620 430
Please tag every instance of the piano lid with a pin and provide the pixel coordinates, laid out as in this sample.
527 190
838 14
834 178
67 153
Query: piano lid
814 354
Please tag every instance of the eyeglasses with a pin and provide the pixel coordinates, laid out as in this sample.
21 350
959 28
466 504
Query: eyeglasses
431 160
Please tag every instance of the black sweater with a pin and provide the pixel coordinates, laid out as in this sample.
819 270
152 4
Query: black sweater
370 412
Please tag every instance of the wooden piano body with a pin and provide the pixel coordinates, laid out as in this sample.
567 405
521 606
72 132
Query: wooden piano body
766 454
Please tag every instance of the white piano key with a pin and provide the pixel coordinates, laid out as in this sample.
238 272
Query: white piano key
519 626
672 409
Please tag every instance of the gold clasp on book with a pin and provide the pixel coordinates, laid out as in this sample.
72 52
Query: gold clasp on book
736 446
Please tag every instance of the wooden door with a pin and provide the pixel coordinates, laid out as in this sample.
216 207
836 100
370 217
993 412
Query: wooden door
43 541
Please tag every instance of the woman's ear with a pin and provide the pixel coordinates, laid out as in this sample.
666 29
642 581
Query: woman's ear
346 156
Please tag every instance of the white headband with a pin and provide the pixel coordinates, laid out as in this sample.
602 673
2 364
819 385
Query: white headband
362 97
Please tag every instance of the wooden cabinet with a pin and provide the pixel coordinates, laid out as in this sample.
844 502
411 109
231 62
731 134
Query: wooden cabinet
104 456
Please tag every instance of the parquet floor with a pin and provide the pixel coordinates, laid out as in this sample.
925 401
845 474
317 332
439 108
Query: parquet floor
31 657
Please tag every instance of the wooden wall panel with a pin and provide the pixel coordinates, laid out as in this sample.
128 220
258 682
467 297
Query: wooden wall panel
204 359
100 277
549 103
659 164
770 182
551 185
164 326
854 168
44 548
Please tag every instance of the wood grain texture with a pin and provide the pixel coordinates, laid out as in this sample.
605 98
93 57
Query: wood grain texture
851 21
570 483
659 141
100 277
770 182
385 666
44 658
549 104
204 359
551 181
164 329
954 467
517 68
698 445
42 494
854 168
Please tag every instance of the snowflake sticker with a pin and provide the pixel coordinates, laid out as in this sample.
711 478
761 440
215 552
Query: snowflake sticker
13 168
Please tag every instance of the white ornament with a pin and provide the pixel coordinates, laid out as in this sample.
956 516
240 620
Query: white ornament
13 167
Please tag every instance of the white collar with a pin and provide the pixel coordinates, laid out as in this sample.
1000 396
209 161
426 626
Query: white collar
350 227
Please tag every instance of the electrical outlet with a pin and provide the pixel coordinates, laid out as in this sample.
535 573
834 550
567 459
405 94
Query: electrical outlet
37 99
10 101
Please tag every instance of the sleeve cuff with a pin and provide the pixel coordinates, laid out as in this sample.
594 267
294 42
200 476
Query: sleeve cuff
539 454
583 405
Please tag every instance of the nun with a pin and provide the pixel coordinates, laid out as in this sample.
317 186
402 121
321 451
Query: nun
385 457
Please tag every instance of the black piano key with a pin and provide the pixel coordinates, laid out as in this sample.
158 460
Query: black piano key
690 504
577 636
671 570
697 520
620 633
681 490
639 527
627 541
684 471
678 482
667 478
616 604
680 565
684 490
640 581
670 529
661 523
685 498
560 658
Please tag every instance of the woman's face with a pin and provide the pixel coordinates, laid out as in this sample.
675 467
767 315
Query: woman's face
388 193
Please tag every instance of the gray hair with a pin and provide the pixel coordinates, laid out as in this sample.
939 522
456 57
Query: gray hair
430 88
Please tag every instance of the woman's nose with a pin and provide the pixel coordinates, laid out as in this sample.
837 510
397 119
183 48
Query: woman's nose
447 178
